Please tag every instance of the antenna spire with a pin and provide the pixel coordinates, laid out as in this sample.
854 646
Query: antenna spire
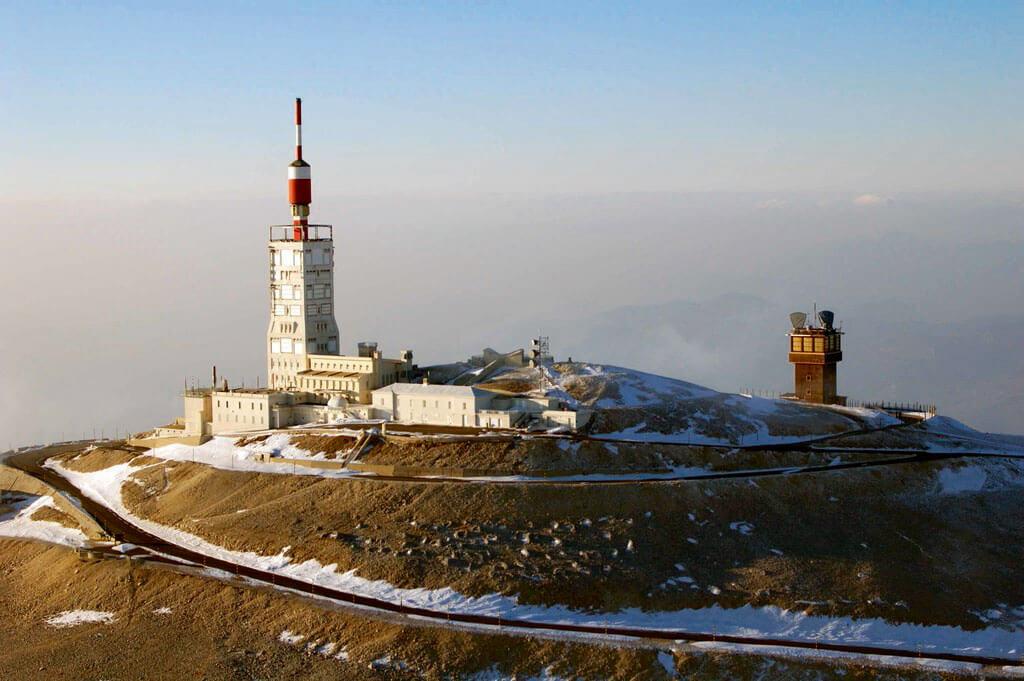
298 128
299 191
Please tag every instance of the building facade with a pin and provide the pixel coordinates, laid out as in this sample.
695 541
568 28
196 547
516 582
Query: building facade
468 406
814 352
302 321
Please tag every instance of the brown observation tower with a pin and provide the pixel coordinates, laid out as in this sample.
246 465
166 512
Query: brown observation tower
814 352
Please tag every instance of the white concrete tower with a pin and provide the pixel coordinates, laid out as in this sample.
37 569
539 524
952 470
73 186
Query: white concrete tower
301 282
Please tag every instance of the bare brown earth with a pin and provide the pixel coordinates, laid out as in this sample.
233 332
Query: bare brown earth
523 456
714 417
252 439
329 445
219 630
916 436
865 543
510 385
97 459
53 515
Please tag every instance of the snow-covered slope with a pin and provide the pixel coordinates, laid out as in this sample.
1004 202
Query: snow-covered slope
634 405
19 523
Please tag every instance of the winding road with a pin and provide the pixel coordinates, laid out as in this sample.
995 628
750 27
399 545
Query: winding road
125 531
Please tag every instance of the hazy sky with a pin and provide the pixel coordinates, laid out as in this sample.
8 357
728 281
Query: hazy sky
192 100
495 170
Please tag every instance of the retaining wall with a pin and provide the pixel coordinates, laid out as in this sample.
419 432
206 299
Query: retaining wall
154 442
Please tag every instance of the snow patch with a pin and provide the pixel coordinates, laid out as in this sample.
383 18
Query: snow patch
965 479
292 639
668 662
72 618
22 526
221 452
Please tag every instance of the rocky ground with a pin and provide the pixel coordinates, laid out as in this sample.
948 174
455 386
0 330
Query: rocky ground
166 625
860 543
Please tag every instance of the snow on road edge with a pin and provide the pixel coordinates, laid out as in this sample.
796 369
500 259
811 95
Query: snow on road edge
22 526
104 487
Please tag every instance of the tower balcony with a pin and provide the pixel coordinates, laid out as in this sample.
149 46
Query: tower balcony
313 232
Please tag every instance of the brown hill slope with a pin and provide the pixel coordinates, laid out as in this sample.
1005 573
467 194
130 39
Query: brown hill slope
173 626
882 542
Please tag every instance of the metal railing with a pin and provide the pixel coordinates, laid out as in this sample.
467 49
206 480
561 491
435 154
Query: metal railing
896 407
892 407
313 232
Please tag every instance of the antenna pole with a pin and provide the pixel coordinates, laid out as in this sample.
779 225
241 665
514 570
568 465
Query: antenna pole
298 129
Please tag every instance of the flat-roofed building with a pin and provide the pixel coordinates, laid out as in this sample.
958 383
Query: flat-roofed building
452 405
462 405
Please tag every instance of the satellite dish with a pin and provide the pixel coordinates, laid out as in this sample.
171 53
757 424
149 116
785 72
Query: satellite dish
827 317
798 319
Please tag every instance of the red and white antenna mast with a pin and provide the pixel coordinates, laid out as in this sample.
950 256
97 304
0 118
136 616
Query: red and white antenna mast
300 193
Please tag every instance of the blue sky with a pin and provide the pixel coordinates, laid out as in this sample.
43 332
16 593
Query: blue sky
434 98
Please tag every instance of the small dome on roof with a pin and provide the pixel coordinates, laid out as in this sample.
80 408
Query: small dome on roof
337 401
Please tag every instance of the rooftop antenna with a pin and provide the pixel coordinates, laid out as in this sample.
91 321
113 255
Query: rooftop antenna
299 192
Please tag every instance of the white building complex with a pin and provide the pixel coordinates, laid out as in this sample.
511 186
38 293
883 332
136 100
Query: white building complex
309 381
463 405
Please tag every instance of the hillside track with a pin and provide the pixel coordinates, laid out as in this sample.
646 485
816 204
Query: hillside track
123 530
498 434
